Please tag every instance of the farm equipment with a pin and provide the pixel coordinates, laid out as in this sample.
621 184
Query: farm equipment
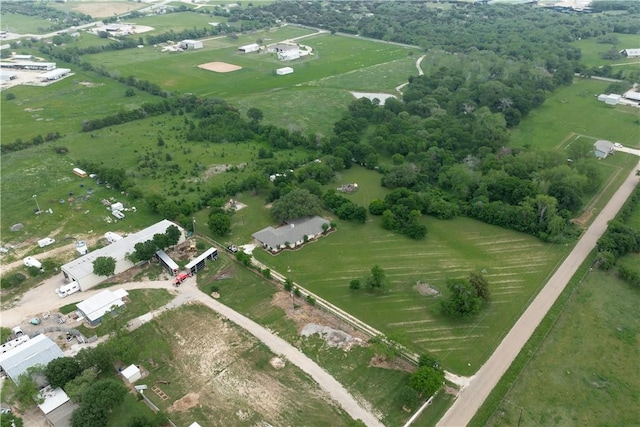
181 277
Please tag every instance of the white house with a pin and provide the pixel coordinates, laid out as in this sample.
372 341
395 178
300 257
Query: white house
81 269
284 71
249 48
93 309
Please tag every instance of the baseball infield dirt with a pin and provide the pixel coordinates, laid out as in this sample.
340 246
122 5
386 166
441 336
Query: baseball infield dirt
220 67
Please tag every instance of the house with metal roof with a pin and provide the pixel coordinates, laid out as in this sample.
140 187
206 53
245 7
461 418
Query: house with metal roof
56 406
39 350
292 234
602 148
81 269
93 309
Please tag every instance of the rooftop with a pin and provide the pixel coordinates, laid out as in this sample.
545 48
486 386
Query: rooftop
293 231
100 304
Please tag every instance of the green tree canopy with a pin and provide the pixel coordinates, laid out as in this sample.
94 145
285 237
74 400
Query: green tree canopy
378 280
426 380
463 301
104 266
295 204
62 370
219 223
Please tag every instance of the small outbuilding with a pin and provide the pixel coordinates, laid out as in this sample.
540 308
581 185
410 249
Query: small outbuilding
630 53
56 406
190 44
93 309
284 71
249 48
131 374
603 148
199 262
56 74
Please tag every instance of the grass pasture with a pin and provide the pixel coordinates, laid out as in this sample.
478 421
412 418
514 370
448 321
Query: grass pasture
516 266
227 373
575 109
23 24
586 370
591 51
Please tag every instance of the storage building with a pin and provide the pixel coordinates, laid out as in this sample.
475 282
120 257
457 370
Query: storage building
200 261
56 74
249 48
39 350
81 269
93 309
284 71
131 374
190 44
630 53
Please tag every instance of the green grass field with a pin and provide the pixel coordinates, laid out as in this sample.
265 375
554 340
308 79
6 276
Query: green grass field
591 51
21 24
586 371
576 110
516 266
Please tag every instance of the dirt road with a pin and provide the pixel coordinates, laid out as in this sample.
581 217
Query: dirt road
43 298
471 398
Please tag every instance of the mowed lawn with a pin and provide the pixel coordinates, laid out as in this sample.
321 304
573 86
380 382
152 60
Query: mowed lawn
591 50
516 266
575 110
586 371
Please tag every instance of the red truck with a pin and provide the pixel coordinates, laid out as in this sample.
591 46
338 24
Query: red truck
181 277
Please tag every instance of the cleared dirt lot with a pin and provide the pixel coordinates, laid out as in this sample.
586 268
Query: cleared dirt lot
219 375
105 9
220 67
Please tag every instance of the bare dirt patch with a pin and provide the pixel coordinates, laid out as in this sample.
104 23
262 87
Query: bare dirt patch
333 337
187 402
583 219
90 84
426 289
220 67
105 9
396 363
277 363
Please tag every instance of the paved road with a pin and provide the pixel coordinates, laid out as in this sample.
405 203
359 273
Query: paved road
472 397
43 298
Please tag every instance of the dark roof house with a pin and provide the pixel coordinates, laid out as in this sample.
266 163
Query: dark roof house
291 234
603 148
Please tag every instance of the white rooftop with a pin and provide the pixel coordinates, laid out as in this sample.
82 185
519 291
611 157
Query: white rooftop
100 304
53 398
39 350
130 371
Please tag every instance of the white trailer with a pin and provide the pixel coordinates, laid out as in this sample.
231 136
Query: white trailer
32 262
46 242
117 214
66 290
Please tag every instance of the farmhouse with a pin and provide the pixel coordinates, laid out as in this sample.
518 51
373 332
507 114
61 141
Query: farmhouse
81 269
603 148
630 53
249 48
292 234
190 44
284 71
93 309
56 74
39 350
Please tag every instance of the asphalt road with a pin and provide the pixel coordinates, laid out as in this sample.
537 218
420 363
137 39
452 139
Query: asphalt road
473 396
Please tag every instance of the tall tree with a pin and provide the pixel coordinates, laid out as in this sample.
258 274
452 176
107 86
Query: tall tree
295 204
104 266
62 370
378 280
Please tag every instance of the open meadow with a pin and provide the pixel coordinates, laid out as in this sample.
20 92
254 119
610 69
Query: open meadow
586 370
592 49
574 110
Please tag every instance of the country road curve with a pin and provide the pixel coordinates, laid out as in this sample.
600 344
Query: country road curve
43 298
473 396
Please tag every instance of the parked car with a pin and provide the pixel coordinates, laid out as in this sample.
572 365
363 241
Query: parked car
17 332
617 145
232 248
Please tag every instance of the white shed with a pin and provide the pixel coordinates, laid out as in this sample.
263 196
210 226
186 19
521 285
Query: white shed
131 374
284 71
249 48
32 262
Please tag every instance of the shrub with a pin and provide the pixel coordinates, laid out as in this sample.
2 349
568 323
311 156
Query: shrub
354 285
311 300
12 281
10 96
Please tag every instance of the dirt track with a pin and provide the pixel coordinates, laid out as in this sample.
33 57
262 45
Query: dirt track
473 396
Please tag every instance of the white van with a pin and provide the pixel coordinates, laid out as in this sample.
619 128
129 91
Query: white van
66 290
